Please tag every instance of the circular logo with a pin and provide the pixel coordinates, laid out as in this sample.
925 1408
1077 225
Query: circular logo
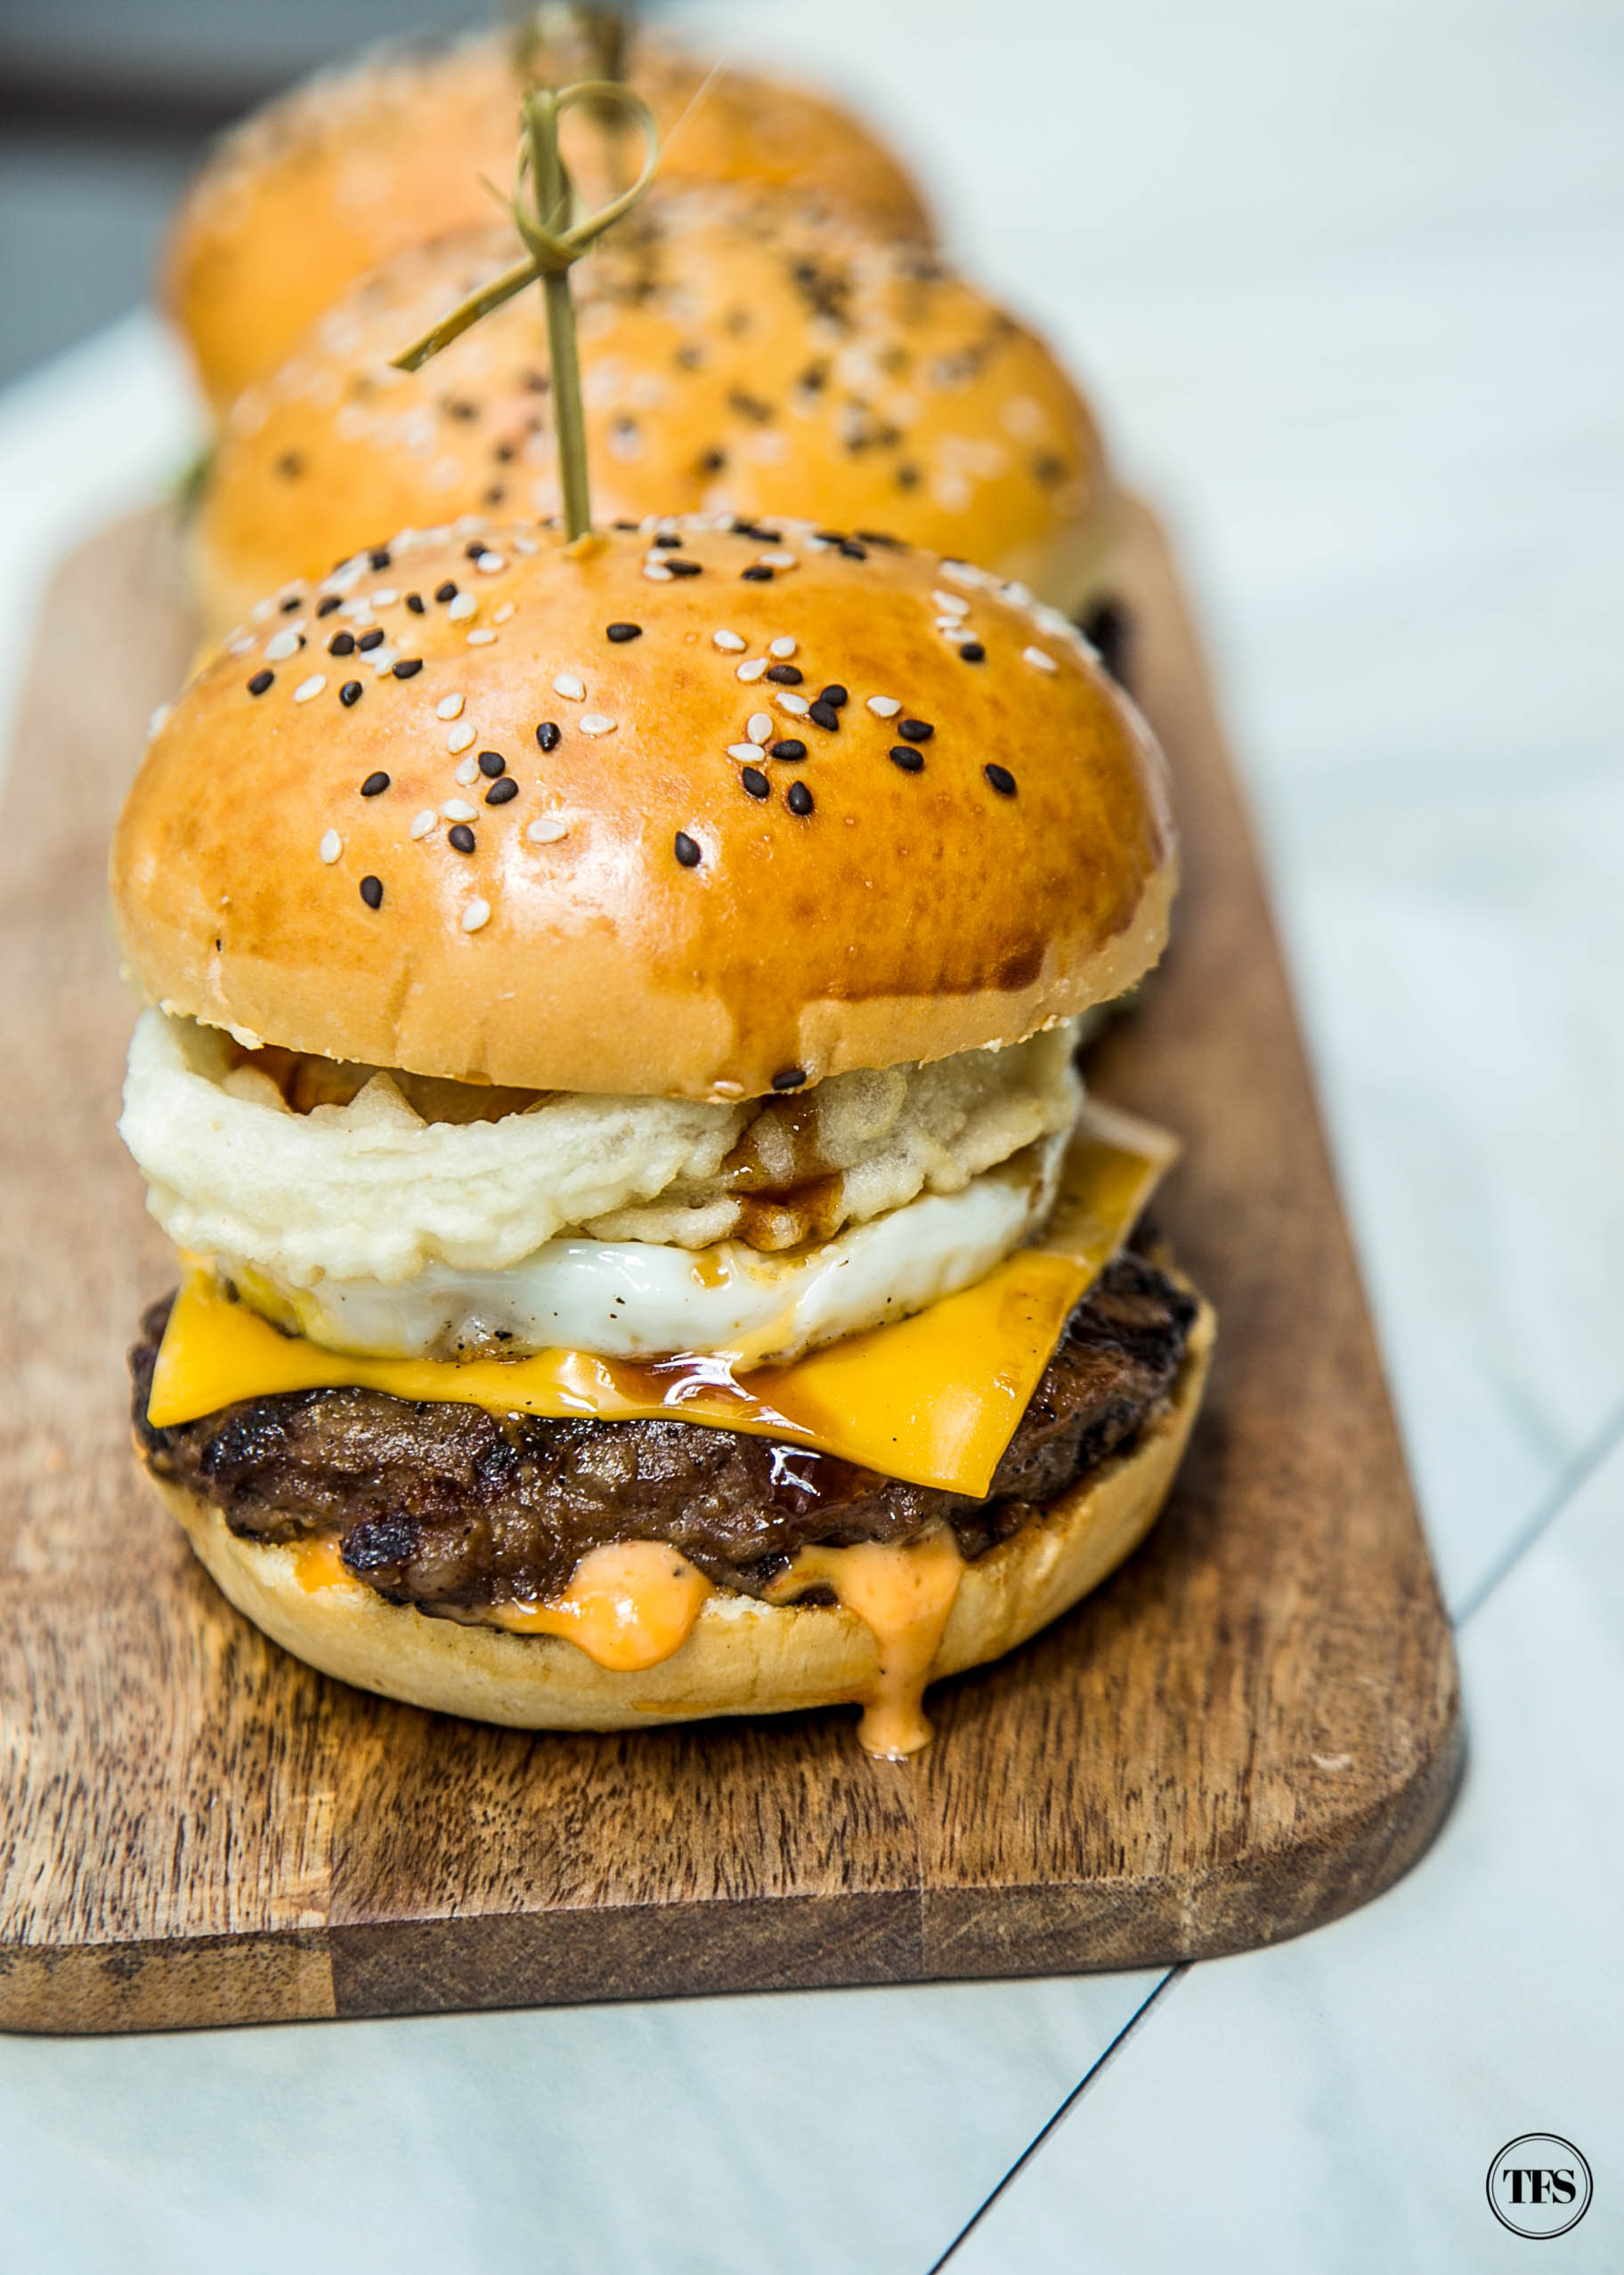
1538 2185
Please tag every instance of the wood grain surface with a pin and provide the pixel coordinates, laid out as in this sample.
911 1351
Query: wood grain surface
1252 1729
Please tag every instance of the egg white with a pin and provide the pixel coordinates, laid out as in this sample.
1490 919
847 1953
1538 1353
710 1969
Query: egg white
634 1299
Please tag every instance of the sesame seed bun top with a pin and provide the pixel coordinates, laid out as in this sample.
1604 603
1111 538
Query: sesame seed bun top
704 818
358 163
741 355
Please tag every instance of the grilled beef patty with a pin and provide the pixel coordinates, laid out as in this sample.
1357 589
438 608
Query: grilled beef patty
452 1508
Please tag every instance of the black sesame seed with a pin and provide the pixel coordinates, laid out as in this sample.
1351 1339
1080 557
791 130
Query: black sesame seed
713 462
973 652
758 573
500 792
682 568
824 715
472 552
687 851
790 1078
915 730
549 735
786 674
669 541
620 633
903 755
1001 778
756 782
833 694
492 763
797 797
462 838
326 606
372 891
408 668
260 682
290 604
370 640
350 693
791 747
342 644
414 601
446 591
375 785
380 558
853 552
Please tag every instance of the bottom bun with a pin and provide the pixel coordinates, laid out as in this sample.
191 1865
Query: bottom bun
743 1656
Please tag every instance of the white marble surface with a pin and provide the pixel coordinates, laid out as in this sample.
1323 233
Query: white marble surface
1345 277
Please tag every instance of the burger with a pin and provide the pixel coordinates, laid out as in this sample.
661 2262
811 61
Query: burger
747 354
363 161
646 1249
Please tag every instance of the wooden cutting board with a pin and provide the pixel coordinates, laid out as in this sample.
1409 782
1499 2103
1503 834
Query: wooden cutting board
1254 1728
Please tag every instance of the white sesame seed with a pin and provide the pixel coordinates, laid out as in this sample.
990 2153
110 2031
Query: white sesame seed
475 913
449 707
657 572
468 773
385 596
480 639
759 725
459 738
458 810
567 684
548 830
954 624
283 644
330 847
306 688
461 607
951 603
884 706
749 752
1037 657
752 671
488 564
382 659
776 560
503 613
593 722
797 704
782 647
731 641
240 646
525 545
158 720
422 822
1017 594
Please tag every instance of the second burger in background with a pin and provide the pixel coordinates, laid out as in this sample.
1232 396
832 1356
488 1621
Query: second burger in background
744 355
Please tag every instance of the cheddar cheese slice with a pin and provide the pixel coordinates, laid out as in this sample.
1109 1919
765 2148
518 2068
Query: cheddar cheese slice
933 1400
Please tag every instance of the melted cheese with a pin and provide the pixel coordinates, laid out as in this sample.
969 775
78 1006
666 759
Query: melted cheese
904 1594
933 1400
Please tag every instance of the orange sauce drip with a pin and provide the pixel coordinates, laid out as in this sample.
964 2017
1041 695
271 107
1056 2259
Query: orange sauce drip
628 1606
317 1564
904 1594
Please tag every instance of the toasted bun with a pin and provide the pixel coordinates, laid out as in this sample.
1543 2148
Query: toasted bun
359 163
742 355
743 1657
682 937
